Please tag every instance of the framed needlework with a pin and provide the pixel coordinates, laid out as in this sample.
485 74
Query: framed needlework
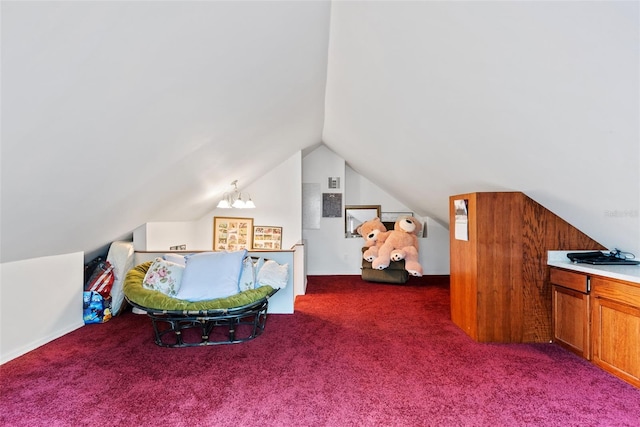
331 205
232 234
267 237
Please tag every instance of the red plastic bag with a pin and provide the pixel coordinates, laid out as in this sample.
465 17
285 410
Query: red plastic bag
101 281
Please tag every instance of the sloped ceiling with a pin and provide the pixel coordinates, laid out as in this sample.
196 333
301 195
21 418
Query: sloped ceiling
119 113
432 99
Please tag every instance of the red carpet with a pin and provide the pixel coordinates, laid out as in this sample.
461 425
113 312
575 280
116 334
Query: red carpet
353 354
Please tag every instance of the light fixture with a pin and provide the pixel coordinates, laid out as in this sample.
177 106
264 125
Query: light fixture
236 199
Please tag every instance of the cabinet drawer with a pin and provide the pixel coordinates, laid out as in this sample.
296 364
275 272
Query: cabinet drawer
624 292
568 279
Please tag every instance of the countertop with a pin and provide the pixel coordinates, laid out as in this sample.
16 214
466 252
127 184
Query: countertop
629 273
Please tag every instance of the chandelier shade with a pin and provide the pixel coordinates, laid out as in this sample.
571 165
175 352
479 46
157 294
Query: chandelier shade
236 199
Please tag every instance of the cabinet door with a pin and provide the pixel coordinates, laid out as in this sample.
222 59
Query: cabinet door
571 320
616 328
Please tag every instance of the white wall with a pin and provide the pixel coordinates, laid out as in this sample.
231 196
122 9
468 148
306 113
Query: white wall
160 236
278 199
40 300
328 251
299 269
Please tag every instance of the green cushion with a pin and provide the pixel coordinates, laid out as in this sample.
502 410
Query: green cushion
156 300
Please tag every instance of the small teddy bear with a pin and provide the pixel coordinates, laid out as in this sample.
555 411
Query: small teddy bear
401 243
374 233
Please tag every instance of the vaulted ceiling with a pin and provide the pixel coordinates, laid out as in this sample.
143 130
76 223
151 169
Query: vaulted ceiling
111 110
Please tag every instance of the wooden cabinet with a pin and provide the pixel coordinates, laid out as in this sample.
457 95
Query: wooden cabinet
571 316
615 315
598 318
500 289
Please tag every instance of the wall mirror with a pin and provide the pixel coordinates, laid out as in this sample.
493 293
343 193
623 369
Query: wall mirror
355 215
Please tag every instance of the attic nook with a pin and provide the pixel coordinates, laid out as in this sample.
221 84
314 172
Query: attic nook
499 65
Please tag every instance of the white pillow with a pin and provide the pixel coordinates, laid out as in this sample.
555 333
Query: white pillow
176 258
121 257
164 276
273 274
256 267
211 275
248 275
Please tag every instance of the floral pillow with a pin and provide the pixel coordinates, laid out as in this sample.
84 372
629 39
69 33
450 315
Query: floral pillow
164 276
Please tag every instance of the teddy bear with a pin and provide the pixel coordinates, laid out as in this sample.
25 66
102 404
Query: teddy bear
374 233
401 243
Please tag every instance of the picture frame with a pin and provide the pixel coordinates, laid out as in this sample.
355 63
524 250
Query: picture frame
356 215
267 237
331 205
232 234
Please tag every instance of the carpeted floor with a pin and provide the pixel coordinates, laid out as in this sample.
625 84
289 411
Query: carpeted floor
353 354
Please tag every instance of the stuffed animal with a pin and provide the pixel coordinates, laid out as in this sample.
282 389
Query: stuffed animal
401 243
374 233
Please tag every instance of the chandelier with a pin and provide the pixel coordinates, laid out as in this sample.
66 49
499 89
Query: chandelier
236 199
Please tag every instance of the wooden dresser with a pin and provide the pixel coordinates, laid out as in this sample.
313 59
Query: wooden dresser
500 289
596 314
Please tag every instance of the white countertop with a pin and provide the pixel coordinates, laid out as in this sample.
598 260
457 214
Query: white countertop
629 273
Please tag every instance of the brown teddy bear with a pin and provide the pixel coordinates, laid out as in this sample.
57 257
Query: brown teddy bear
401 243
374 233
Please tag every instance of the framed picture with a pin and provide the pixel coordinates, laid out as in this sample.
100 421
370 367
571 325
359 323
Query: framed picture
331 205
232 234
267 237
